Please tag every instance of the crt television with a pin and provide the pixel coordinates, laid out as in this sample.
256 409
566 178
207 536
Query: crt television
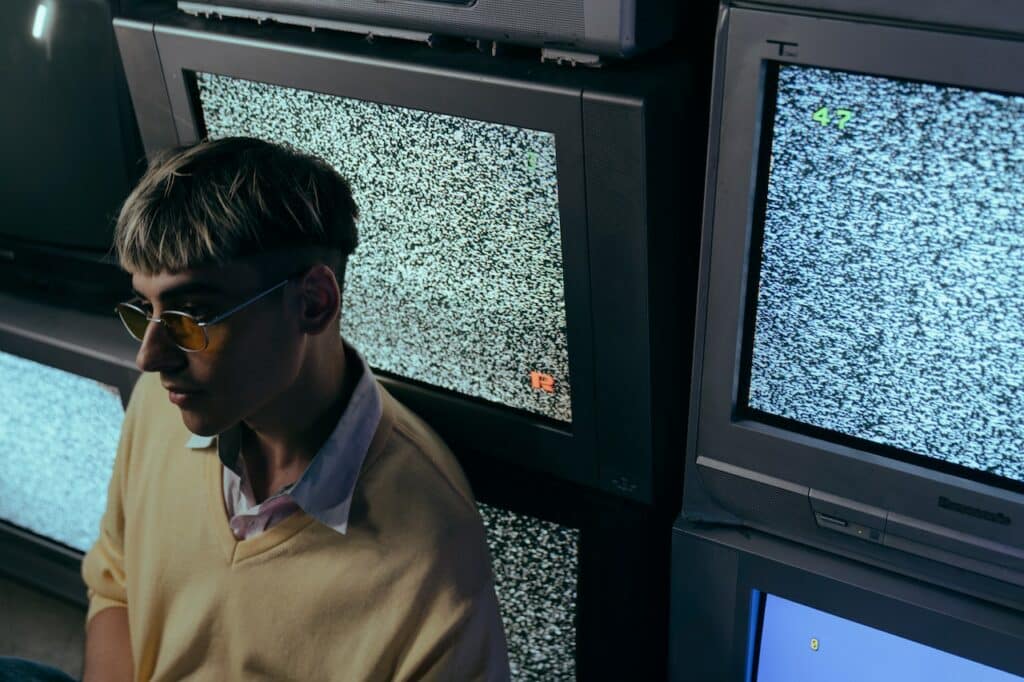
65 379
859 349
750 607
517 244
71 146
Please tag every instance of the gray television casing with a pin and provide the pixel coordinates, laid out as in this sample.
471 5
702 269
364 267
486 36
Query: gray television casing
619 141
717 573
950 529
616 28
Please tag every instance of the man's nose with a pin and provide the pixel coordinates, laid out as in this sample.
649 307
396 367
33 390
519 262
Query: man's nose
157 351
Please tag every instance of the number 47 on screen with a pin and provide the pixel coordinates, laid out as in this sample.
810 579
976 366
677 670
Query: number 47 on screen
842 117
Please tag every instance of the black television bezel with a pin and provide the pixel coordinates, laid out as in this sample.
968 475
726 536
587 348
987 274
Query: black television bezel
748 471
721 575
621 267
88 345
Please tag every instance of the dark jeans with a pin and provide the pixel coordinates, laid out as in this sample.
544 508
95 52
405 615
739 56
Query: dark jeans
20 670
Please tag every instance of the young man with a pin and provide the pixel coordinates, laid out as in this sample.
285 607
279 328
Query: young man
274 513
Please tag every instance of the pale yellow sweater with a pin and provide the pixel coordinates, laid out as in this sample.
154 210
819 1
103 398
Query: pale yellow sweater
405 594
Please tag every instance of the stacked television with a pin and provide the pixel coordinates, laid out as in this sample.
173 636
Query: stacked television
516 251
512 284
858 382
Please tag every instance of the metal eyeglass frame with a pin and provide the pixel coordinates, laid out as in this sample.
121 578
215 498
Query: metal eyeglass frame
202 325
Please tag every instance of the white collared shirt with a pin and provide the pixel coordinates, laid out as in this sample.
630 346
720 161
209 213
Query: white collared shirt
324 491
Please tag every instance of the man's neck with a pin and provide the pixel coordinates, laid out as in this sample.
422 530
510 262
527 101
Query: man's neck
277 450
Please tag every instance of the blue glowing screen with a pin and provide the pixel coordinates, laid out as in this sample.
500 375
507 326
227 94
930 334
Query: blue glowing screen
890 300
58 439
801 643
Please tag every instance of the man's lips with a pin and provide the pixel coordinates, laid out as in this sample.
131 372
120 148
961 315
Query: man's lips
180 395
181 389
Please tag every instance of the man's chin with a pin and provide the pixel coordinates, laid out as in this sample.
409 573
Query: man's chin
201 425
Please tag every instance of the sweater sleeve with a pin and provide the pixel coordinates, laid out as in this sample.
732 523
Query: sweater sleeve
459 635
472 647
103 565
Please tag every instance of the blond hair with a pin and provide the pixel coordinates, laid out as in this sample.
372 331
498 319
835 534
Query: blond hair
224 199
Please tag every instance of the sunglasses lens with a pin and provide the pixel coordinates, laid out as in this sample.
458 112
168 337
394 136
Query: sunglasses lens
182 329
185 331
134 320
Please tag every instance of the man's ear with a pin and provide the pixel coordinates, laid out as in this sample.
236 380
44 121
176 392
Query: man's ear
320 299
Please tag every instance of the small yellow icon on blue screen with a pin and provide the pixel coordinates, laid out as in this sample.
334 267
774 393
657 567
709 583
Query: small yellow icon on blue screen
814 644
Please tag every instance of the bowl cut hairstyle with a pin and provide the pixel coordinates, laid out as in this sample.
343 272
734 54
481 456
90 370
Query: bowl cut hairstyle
220 200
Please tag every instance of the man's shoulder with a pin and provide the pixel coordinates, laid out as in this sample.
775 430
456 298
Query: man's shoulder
412 479
406 440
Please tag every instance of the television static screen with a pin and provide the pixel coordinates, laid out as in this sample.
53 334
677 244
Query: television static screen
58 440
801 643
457 281
536 569
890 300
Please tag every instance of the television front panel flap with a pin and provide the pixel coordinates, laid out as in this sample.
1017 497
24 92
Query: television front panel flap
471 291
860 372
